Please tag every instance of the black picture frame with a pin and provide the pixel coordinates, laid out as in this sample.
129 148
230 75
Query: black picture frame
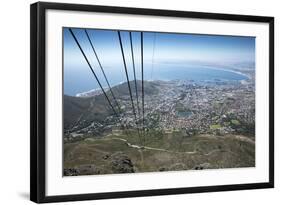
37 101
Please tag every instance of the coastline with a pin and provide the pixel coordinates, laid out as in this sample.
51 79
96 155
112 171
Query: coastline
227 70
92 91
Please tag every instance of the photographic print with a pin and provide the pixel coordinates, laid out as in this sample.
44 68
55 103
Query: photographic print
137 101
132 102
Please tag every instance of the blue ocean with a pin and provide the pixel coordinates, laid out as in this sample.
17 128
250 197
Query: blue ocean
83 80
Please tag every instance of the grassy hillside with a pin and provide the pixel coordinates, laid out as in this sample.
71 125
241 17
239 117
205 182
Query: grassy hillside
123 153
82 111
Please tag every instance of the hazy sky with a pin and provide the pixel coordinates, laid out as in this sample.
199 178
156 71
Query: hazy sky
168 48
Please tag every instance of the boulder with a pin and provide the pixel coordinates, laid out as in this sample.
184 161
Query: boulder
121 163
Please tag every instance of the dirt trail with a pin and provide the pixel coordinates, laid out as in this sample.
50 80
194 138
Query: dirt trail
244 139
149 148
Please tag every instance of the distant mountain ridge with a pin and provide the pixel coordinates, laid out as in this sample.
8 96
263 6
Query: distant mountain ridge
83 110
121 88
